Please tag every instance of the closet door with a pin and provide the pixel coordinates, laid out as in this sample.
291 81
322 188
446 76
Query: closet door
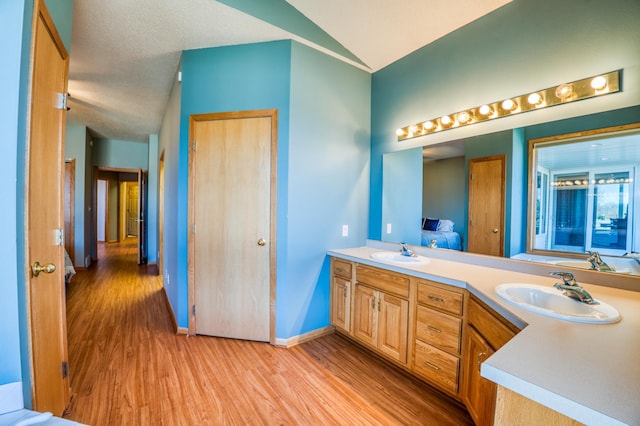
232 234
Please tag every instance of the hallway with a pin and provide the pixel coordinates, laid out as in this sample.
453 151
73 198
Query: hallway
127 366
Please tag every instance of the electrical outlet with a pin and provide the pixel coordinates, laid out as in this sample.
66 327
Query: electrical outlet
388 228
345 230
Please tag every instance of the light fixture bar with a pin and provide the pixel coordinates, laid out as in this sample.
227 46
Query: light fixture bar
599 85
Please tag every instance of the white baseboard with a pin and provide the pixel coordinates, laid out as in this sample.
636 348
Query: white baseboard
301 338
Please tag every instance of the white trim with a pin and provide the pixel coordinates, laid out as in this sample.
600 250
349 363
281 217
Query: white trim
301 338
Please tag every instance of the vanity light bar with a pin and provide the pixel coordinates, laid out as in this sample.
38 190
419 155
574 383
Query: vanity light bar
590 87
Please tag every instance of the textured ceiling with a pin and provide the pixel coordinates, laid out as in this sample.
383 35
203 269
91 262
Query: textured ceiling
124 54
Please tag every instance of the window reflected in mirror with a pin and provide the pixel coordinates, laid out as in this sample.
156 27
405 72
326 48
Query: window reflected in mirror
585 193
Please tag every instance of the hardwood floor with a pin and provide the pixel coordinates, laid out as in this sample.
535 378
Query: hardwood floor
128 367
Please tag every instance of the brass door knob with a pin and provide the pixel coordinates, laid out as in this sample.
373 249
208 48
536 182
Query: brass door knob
495 230
36 268
262 242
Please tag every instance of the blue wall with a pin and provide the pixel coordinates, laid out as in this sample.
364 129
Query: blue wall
121 154
328 183
11 32
236 78
402 196
521 47
169 148
76 147
324 117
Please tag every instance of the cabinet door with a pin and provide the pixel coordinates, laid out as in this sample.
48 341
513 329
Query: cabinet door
365 315
340 303
393 321
478 393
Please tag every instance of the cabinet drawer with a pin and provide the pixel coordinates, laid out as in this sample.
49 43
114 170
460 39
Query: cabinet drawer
438 329
437 366
440 298
342 268
387 281
495 331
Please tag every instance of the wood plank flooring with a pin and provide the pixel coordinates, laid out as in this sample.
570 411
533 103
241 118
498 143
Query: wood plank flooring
129 368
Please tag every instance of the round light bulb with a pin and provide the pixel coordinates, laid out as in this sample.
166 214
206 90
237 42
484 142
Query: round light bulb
464 117
534 99
508 105
485 110
428 125
599 83
399 132
413 128
564 91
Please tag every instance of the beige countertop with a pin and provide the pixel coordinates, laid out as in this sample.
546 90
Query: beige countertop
589 372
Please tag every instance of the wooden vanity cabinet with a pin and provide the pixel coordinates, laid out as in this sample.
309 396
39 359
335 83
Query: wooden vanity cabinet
381 311
438 334
341 278
486 332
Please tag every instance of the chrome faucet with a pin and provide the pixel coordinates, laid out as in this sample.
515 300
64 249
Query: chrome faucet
406 251
597 264
570 288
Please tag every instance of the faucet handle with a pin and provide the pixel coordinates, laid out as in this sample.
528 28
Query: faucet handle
567 277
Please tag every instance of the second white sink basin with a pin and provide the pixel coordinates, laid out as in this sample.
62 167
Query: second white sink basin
552 303
398 259
583 264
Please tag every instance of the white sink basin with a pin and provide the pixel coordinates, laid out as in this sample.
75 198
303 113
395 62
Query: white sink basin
398 259
583 264
552 303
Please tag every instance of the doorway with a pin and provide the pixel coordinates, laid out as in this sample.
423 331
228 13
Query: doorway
69 207
124 210
232 209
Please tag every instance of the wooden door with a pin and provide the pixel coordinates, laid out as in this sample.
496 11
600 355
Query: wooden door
132 209
393 321
486 205
340 303
365 315
47 313
69 207
232 236
478 393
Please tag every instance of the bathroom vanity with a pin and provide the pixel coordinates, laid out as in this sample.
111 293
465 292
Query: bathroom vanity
439 318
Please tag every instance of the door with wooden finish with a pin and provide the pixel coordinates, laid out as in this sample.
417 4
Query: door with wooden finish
486 205
232 233
132 209
44 210
393 322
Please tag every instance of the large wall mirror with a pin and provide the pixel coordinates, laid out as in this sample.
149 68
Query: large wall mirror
583 191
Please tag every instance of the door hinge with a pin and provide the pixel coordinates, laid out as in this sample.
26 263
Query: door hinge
65 369
193 228
59 237
61 100
195 145
193 310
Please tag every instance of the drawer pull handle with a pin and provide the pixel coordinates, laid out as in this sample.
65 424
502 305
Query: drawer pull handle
430 365
436 299
342 271
435 330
